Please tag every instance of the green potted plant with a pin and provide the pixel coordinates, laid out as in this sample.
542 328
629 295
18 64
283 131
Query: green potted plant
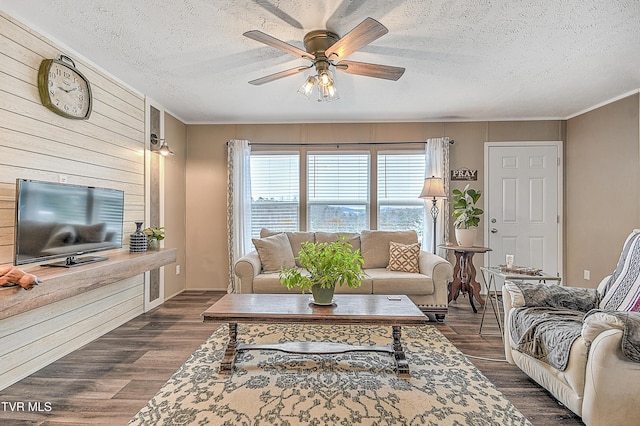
327 265
467 215
154 234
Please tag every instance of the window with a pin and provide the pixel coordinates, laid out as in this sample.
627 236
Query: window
400 180
274 192
338 192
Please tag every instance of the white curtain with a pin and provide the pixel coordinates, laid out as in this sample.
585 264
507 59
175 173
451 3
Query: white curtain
238 204
437 164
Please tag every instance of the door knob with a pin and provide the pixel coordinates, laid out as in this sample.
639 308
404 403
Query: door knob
494 231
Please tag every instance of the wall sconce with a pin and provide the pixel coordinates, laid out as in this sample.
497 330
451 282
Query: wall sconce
160 146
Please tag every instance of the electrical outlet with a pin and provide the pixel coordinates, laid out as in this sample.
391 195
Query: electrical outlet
587 274
177 269
62 178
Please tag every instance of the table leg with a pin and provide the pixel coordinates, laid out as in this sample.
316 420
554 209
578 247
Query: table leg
226 365
401 360
473 285
456 285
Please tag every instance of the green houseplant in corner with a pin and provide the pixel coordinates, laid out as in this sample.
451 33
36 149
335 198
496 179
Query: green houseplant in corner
327 265
467 215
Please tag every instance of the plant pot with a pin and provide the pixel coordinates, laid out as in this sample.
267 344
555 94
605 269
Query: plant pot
466 237
153 244
322 296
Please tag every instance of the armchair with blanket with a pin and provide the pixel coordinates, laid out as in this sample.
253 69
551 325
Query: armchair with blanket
582 345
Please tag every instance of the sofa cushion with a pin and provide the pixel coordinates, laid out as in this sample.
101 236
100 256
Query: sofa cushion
330 237
622 292
394 282
375 245
270 283
403 257
275 252
295 239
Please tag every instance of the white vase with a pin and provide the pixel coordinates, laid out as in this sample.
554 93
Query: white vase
466 237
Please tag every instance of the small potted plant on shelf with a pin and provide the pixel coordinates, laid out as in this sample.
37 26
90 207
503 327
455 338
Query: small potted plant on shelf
327 265
154 234
467 215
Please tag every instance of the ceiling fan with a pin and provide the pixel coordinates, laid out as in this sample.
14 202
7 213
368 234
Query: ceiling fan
325 49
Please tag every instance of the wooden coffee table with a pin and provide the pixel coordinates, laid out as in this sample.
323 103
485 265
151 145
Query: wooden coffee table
394 311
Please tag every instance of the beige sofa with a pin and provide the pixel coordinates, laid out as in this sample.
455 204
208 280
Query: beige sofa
427 288
601 381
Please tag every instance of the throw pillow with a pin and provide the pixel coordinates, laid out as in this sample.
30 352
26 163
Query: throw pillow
296 238
275 252
622 292
375 245
329 237
404 257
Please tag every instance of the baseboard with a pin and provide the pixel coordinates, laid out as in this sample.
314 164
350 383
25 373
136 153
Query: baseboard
174 295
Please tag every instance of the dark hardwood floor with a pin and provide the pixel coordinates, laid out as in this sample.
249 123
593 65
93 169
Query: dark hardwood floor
110 379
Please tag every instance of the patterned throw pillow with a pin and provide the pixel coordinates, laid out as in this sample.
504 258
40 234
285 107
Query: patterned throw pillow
622 292
403 257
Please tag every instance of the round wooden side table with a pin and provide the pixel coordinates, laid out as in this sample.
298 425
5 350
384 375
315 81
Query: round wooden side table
464 273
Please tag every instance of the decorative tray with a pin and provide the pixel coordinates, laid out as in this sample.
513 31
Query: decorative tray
522 270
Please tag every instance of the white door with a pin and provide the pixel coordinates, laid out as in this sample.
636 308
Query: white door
523 204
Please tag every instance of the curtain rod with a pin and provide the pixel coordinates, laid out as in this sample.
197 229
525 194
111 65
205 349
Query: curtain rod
451 142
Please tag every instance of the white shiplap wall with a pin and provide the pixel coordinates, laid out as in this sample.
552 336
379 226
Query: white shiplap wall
107 150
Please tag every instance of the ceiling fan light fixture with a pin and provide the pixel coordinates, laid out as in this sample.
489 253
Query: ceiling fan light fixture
323 48
307 87
324 78
327 92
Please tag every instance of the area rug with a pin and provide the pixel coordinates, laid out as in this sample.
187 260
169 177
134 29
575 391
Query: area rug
356 388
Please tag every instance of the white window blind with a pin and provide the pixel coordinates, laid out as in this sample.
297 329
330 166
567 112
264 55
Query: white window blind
338 192
400 180
275 182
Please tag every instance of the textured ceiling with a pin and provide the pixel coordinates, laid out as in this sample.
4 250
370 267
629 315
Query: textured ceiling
464 60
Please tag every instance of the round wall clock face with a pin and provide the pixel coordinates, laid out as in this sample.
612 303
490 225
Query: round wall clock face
63 89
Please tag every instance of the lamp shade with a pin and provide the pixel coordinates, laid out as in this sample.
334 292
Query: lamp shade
433 188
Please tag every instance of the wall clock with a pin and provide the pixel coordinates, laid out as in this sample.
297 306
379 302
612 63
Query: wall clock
63 89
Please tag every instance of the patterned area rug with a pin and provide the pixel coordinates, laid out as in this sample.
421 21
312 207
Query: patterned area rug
356 388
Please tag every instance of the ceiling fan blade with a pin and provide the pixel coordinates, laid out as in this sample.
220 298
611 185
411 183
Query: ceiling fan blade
278 44
278 75
370 70
363 33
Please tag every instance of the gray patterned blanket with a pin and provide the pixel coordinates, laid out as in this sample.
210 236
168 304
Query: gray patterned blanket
546 333
551 320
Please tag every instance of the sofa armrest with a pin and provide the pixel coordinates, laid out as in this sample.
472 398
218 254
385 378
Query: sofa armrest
596 322
510 299
246 269
436 267
612 383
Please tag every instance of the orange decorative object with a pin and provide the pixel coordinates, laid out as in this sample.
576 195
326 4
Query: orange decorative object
10 276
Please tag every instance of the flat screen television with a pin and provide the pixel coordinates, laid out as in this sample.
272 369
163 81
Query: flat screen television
55 220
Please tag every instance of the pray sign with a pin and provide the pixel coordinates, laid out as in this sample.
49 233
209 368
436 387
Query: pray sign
464 174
